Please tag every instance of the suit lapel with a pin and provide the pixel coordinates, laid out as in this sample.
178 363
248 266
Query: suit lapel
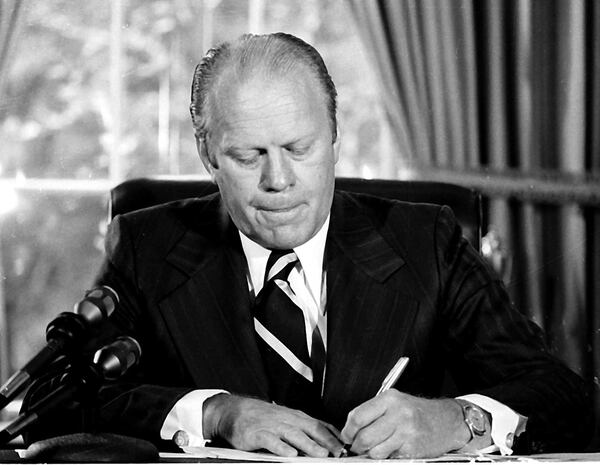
207 309
368 318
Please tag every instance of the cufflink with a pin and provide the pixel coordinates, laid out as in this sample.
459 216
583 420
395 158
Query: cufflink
510 439
181 438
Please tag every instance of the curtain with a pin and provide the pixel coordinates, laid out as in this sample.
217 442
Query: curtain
484 86
10 11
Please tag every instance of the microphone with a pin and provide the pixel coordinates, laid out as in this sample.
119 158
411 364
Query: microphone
97 305
115 359
67 331
109 363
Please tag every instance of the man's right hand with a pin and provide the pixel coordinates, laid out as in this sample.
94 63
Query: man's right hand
252 424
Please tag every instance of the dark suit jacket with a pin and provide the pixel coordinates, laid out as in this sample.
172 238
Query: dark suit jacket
401 280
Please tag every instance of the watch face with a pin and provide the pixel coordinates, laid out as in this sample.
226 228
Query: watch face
476 418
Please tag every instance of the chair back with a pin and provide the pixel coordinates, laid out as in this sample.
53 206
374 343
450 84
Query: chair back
139 193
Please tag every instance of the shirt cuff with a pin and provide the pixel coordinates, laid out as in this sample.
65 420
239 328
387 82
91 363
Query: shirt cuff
185 419
506 423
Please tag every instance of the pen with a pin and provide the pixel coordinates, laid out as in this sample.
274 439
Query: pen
387 383
393 375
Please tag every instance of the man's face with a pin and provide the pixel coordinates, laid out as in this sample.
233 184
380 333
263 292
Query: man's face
273 158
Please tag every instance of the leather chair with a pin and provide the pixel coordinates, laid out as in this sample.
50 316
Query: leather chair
139 193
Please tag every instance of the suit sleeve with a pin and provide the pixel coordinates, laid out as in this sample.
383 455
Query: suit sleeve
137 405
497 352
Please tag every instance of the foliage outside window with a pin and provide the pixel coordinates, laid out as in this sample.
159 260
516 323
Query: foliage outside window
95 92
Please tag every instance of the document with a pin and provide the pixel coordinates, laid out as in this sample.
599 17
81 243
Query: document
216 453
243 456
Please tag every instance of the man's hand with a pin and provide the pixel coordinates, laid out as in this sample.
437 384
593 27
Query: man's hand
394 424
252 424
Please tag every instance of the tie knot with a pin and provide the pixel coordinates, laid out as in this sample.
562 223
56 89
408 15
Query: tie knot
279 264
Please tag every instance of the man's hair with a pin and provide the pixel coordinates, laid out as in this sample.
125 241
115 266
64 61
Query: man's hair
274 54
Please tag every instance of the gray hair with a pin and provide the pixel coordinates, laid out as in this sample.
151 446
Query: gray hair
274 53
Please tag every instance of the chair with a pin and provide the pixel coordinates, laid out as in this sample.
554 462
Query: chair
139 193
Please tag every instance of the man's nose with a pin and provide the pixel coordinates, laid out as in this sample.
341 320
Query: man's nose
277 171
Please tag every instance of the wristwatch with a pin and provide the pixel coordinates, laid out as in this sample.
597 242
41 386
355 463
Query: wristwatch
474 418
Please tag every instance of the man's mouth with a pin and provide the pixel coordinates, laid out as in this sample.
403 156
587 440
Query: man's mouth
278 209
278 212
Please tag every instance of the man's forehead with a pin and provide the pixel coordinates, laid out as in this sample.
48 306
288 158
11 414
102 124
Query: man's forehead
256 97
245 106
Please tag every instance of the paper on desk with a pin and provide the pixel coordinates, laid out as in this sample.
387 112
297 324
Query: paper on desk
234 454
243 456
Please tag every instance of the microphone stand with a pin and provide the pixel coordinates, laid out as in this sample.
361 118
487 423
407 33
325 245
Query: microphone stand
81 381
76 383
67 332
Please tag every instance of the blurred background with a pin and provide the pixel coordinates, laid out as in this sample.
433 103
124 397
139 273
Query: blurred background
499 95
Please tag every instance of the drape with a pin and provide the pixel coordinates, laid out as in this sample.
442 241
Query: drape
9 20
10 10
507 85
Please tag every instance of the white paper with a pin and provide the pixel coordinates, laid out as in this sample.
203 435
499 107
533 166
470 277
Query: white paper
243 456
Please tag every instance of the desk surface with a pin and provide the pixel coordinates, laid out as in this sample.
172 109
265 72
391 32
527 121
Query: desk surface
202 454
12 456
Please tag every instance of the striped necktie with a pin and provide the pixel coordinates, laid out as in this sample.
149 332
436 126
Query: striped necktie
295 378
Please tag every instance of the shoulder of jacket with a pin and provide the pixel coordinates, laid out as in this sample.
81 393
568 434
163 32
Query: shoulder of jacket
384 210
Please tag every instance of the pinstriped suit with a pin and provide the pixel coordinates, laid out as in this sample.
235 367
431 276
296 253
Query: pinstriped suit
400 281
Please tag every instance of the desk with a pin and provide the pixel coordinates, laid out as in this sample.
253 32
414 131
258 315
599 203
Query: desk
12 456
204 454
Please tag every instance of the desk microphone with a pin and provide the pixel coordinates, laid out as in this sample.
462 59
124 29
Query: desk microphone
66 332
114 359
110 362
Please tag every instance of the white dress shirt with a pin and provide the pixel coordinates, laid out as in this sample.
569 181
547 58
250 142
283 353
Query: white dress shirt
308 281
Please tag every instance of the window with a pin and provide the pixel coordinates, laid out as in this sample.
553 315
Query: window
96 92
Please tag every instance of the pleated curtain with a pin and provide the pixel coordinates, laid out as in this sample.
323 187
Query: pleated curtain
507 85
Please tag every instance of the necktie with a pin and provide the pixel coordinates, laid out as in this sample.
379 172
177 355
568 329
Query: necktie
295 378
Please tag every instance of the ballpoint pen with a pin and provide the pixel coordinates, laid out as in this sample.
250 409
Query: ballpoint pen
393 375
391 379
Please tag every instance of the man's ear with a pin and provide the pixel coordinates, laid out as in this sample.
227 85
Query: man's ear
336 144
202 148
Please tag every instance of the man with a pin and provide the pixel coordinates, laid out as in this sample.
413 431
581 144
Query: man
370 280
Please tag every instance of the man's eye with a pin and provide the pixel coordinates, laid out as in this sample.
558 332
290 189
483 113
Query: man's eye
297 150
247 157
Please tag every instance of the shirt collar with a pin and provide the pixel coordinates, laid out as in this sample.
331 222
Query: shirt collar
310 255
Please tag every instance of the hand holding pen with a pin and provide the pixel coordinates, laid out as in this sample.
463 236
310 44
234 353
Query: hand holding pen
396 424
392 377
